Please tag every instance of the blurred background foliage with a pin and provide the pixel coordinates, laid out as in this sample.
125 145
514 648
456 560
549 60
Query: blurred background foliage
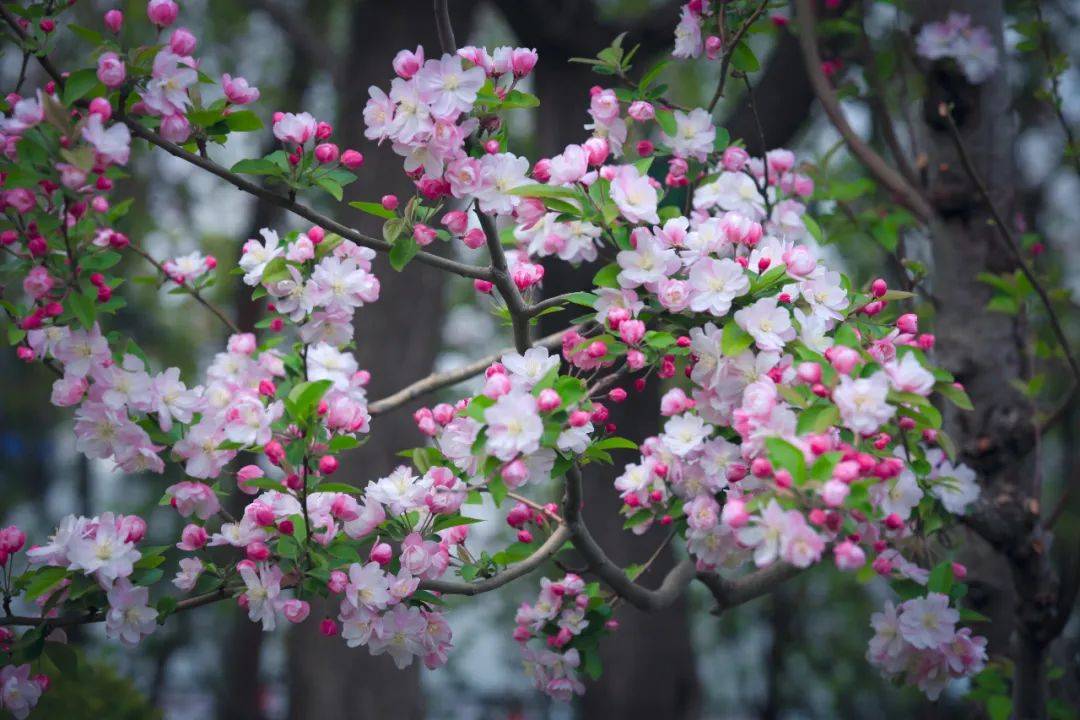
796 654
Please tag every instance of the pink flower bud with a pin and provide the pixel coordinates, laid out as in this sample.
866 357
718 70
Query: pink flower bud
713 46
389 202
617 395
275 453
423 235
518 515
631 331
645 148
579 418
455 221
598 150
548 400
295 610
483 286
635 359
328 627
352 159
257 551
496 386
524 536
114 20
734 514
515 474
192 538
407 63
735 158
162 12
761 467
809 372
893 522
381 553
522 61
908 323
326 153
182 41
100 106
596 349
842 358
338 581
641 111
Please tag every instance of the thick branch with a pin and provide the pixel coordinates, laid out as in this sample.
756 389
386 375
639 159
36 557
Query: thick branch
551 546
72 620
436 381
730 592
515 304
908 195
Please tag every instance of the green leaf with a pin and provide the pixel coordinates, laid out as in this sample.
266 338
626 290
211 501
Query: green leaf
743 58
587 299
666 120
43 580
544 191
958 397
653 73
340 488
256 166
343 442
607 276
785 455
404 250
519 99
372 208
734 339
331 186
814 229
78 84
941 578
243 121
498 490
82 308
615 443
306 396
448 521
817 418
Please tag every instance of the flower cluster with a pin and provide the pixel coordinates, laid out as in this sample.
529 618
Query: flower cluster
920 641
955 38
568 616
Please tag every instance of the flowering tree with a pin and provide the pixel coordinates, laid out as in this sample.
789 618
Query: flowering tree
803 420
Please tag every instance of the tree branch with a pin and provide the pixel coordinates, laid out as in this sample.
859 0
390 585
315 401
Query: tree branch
1010 242
893 181
551 546
190 291
327 223
439 380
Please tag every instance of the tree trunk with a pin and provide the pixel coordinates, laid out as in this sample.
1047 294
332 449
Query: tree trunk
986 351
397 341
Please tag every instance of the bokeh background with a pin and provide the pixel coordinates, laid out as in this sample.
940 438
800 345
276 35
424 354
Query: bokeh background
796 654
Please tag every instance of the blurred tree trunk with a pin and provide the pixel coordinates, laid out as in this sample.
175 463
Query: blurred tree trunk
397 341
988 352
649 669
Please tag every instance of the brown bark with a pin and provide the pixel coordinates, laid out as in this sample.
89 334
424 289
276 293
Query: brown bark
397 341
987 351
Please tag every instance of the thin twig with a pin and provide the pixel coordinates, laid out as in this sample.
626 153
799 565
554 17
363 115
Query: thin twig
193 292
1006 235
729 52
893 181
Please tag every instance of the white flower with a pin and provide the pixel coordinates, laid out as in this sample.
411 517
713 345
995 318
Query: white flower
634 195
715 283
325 362
501 173
694 134
768 323
863 403
514 426
130 618
104 551
685 433
649 262
190 570
899 495
531 367
908 375
257 255
448 87
826 295
114 144
368 586
400 491
263 583
928 622
731 191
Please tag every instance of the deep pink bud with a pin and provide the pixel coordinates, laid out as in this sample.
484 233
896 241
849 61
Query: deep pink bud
114 20
338 581
381 553
352 159
761 467
879 287
524 536
328 627
645 148
257 551
162 12
389 202
579 418
908 323
182 41
548 400
326 153
423 235
275 453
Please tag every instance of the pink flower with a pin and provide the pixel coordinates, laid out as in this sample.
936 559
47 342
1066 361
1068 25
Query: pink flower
406 63
238 91
193 497
295 128
182 41
162 12
522 61
175 128
111 70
